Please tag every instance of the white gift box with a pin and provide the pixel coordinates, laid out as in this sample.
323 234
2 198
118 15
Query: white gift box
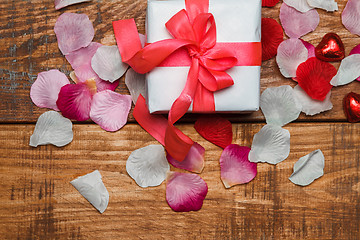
236 21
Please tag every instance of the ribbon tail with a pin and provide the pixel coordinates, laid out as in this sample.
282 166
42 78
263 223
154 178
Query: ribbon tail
177 144
155 125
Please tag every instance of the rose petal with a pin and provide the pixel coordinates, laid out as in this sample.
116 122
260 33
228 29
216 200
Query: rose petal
74 101
64 3
135 82
83 56
52 128
311 106
73 31
110 110
290 54
235 166
279 105
271 36
300 5
348 71
107 63
91 187
308 168
142 39
194 160
148 166
290 19
85 72
185 191
351 16
314 77
310 48
269 3
271 144
215 129
45 90
328 5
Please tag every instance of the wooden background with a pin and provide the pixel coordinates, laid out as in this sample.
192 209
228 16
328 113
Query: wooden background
38 202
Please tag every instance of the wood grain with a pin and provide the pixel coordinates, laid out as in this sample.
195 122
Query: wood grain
38 201
28 46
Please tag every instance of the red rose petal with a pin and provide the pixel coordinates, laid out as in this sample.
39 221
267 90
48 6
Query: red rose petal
74 100
215 129
314 77
271 36
269 3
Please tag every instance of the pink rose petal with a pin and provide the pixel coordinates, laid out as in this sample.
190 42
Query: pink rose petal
45 90
291 53
328 5
291 18
110 110
73 31
185 191
85 72
351 16
74 100
235 166
64 3
193 162
356 50
310 48
300 5
81 57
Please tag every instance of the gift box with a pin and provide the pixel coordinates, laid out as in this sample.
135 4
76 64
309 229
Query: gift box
236 21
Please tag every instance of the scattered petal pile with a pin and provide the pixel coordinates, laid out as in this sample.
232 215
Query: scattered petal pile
148 166
52 128
185 191
93 189
308 168
235 166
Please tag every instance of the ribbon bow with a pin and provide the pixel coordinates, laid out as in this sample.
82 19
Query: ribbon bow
193 29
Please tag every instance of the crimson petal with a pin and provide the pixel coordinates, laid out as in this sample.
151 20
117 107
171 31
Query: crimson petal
74 101
271 36
314 77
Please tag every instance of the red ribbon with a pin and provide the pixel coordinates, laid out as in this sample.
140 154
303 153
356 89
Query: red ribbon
194 31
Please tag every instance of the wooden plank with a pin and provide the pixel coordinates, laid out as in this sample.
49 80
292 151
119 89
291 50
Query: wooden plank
28 46
38 202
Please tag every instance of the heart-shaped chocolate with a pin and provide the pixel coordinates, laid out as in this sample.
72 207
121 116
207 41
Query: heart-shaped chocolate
330 49
352 107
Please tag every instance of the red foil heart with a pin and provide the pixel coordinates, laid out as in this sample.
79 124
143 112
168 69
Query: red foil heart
330 49
352 107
